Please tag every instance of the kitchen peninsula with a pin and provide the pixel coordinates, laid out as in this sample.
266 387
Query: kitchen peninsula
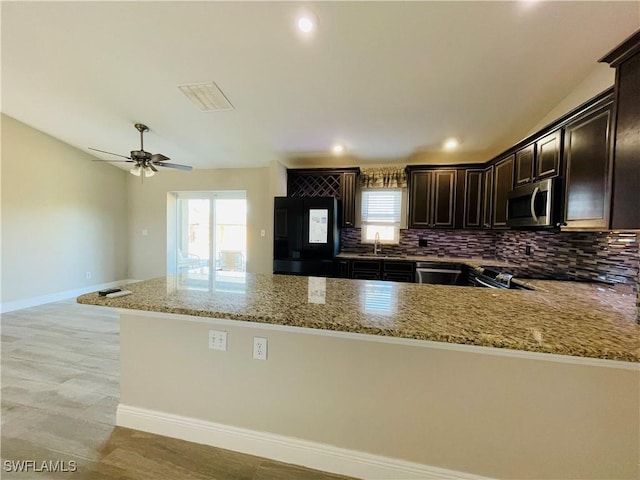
389 380
565 318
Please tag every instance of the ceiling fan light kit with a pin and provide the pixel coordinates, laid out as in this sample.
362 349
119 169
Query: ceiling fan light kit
145 162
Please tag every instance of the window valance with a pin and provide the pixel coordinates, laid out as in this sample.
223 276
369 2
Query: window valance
383 177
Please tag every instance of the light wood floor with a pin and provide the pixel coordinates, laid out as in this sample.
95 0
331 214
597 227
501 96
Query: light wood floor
60 387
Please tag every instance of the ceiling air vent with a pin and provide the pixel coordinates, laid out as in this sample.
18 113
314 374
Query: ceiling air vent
207 96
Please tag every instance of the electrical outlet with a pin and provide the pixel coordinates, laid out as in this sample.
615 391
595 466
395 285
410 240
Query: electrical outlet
88 275
423 242
218 340
259 348
527 250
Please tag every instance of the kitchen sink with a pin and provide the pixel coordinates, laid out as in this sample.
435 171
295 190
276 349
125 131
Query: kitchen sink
379 255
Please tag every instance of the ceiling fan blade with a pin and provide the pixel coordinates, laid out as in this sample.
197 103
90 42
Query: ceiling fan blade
152 167
111 161
158 157
110 153
174 165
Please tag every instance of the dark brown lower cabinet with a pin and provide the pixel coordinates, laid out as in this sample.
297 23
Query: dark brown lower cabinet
366 269
398 271
343 268
502 185
391 270
587 179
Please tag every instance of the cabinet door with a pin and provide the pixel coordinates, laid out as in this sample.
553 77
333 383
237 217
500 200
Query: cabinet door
587 192
348 196
503 184
444 198
473 198
487 196
548 156
421 193
343 269
626 166
524 165
366 269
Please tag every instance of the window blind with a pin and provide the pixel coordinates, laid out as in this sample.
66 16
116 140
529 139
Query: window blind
381 206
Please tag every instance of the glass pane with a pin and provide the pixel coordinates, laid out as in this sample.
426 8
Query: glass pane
194 242
231 236
387 232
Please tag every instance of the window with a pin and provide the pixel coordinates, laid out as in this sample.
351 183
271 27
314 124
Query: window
381 214
207 239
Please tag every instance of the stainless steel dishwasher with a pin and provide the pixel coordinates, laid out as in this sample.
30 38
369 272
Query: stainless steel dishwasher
438 273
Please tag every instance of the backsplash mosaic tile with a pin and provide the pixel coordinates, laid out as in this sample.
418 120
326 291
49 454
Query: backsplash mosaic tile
610 257
440 243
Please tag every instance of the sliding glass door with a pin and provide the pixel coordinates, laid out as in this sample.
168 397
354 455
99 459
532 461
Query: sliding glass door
210 237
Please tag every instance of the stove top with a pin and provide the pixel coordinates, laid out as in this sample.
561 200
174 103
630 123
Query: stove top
488 277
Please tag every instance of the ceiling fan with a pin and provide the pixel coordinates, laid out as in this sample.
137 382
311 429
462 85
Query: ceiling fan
145 162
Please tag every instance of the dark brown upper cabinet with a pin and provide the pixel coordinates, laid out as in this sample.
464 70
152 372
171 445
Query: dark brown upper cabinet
548 155
473 182
538 160
324 182
348 196
502 185
433 197
524 165
587 179
625 58
487 196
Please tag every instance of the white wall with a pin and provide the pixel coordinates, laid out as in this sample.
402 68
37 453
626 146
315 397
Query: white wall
148 211
601 77
62 216
483 411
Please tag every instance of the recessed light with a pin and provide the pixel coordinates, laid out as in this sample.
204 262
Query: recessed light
451 144
306 24
337 149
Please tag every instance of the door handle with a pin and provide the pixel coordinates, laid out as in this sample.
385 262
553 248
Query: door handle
533 204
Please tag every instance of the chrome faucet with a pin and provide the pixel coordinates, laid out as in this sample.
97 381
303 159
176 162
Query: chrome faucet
376 244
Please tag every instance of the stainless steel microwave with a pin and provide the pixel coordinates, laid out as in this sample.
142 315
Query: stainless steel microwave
532 205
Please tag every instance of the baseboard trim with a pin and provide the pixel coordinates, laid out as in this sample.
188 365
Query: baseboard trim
309 454
56 297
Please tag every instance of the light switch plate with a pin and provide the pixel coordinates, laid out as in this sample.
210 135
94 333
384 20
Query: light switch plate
218 340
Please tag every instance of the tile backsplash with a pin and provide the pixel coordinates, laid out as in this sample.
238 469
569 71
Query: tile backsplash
440 243
604 256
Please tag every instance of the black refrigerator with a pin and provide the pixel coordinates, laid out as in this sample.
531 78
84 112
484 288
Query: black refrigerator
306 235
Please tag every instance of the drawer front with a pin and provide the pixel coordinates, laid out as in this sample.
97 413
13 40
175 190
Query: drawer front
399 277
365 275
370 265
393 266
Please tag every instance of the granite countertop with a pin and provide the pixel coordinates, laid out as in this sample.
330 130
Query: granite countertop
472 262
567 318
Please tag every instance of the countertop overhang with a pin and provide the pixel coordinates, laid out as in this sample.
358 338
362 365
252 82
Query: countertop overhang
567 318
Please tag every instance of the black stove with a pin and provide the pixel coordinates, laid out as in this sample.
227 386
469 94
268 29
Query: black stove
491 278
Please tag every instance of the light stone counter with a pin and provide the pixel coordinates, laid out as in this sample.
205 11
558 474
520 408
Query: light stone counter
567 318
472 261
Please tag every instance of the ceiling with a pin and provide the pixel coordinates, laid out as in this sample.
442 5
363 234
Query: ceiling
389 80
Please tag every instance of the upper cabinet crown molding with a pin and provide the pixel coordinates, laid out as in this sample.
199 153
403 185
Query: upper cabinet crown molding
627 48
